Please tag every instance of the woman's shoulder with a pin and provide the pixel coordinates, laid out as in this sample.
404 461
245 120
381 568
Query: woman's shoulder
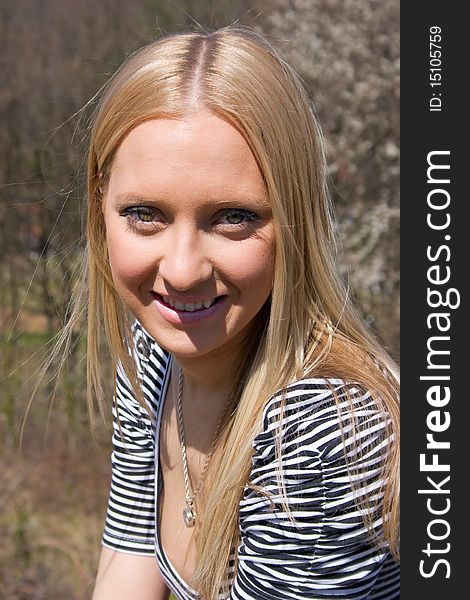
320 412
309 396
151 359
152 364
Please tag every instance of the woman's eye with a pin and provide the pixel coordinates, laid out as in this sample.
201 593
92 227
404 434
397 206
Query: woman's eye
137 215
238 216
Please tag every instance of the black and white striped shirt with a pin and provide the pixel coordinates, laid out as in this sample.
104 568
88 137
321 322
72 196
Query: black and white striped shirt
324 552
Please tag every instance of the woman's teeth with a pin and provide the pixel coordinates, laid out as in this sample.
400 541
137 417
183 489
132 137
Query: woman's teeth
188 306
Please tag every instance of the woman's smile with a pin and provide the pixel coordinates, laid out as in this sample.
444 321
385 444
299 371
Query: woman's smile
184 312
190 232
188 306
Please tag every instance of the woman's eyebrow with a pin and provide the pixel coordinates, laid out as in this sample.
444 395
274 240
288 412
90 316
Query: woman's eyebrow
132 198
135 199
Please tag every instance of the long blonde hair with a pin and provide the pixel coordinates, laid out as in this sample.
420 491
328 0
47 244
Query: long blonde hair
309 327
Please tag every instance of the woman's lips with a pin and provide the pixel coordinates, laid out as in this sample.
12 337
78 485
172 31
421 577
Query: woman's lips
185 317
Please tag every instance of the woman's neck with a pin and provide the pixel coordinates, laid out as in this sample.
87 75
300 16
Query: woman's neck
214 372
205 375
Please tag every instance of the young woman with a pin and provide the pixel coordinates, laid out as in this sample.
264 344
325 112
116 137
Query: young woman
256 420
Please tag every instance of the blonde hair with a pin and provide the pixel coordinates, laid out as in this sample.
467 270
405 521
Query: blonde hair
309 327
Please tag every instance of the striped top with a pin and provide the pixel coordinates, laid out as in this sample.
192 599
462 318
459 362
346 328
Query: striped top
325 551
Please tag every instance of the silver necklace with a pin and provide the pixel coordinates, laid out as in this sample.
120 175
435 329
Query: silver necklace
189 513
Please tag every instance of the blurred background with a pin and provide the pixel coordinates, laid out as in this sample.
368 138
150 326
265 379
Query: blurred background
55 55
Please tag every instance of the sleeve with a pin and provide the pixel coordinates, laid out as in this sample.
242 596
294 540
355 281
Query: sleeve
130 518
322 549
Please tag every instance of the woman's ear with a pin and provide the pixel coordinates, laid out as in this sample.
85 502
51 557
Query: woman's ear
101 189
100 186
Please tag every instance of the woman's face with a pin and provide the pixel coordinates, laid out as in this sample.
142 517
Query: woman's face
190 233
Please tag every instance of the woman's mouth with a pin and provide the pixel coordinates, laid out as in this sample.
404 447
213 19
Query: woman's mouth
189 306
185 313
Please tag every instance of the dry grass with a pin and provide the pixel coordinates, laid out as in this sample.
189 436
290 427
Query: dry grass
52 503
53 489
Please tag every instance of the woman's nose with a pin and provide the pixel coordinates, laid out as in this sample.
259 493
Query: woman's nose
185 262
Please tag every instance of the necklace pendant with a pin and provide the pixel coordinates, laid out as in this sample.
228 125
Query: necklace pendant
189 516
